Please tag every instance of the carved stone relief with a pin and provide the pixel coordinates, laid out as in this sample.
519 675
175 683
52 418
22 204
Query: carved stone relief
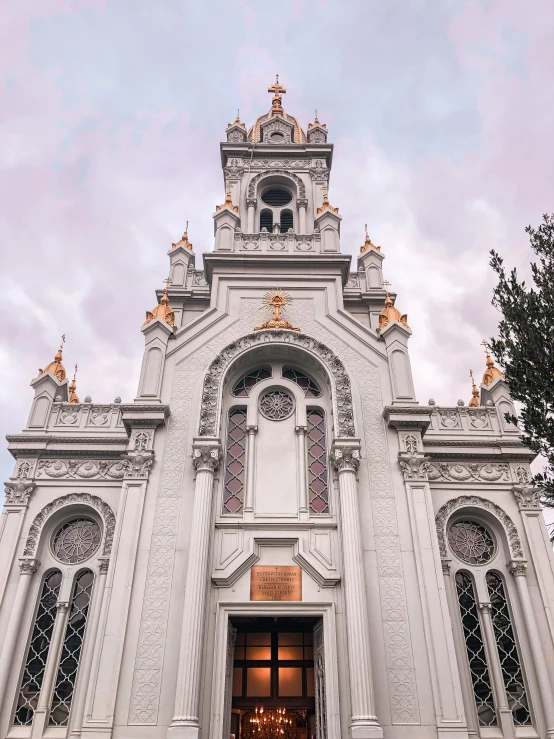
464 472
474 501
478 418
280 163
18 493
89 469
277 126
254 182
85 499
236 135
449 418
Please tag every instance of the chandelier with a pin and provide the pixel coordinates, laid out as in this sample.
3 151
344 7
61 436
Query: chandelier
272 724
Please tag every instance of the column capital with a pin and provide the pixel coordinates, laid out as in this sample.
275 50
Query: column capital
137 463
528 497
18 493
62 606
517 567
485 607
414 466
301 430
445 564
251 202
302 202
28 566
103 564
206 454
345 455
252 429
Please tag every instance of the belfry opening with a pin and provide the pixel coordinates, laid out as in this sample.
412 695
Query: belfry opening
274 679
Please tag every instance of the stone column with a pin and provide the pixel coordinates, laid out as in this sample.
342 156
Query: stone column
502 708
302 204
345 458
28 567
251 205
518 569
250 471
50 671
302 471
78 708
185 723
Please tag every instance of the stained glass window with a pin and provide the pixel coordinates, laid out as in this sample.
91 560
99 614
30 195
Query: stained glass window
37 654
476 655
309 387
76 541
244 385
235 461
64 687
471 542
507 652
317 462
276 405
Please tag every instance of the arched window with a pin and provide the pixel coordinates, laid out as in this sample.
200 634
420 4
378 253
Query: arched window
507 651
242 388
39 648
235 461
266 219
475 649
64 686
309 387
317 461
286 221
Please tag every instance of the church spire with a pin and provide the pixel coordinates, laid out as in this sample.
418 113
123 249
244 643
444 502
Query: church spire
390 313
163 310
56 367
491 373
474 402
184 242
368 244
73 397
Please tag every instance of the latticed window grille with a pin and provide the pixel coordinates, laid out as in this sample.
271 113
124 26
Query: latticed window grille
508 652
77 540
471 542
476 655
37 654
276 405
317 462
235 461
309 387
64 687
246 383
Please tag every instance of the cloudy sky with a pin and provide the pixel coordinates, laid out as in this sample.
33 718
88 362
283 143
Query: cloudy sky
111 112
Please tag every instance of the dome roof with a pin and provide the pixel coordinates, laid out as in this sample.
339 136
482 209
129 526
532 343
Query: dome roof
299 135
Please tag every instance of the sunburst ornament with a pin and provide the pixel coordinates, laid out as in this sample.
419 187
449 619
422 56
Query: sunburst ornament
276 301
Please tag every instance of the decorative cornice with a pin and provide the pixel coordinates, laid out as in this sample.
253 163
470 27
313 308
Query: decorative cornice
206 458
528 497
345 458
474 501
517 567
209 411
83 499
28 566
18 493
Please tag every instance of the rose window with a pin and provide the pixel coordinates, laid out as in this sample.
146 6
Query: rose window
276 405
77 540
471 542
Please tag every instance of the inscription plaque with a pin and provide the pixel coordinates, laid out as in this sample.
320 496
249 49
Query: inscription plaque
271 582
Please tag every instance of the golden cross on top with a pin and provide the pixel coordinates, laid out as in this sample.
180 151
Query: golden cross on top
472 378
276 87
167 282
366 235
75 374
485 344
63 342
386 285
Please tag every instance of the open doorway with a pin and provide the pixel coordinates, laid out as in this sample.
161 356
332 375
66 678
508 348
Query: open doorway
276 681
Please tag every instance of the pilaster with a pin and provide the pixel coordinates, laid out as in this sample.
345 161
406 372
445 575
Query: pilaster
395 336
156 337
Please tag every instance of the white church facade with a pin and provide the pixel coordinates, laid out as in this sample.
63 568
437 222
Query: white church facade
275 538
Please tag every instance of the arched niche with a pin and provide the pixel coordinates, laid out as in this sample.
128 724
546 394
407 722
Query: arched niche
276 176
295 348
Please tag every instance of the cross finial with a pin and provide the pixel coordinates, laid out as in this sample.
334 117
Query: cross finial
386 285
75 374
187 227
472 378
63 342
276 88
485 344
366 233
167 282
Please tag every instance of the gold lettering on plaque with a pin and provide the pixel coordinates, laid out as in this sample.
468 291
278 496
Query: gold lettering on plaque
270 582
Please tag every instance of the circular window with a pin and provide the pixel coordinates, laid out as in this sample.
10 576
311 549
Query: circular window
276 196
276 405
471 542
77 540
277 137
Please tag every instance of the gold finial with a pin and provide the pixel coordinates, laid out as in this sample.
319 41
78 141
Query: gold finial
474 402
73 397
237 121
56 367
163 310
326 204
184 242
316 122
368 244
278 90
389 312
491 373
276 301
228 201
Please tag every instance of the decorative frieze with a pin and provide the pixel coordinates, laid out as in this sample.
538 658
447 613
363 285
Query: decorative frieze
68 469
466 471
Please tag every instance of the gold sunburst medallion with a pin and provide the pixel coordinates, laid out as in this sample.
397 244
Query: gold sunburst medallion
276 301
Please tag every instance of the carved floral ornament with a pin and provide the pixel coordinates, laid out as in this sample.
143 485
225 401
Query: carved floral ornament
83 499
213 381
474 501
345 459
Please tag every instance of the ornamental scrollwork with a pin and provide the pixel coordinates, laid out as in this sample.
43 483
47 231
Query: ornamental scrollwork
85 470
474 501
414 466
84 499
517 567
345 459
254 181
28 566
464 472
18 493
206 458
209 410
137 464
528 497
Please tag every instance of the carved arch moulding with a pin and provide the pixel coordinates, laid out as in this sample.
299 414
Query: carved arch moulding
213 381
474 501
289 175
83 499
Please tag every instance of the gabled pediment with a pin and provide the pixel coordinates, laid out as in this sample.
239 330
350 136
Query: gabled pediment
277 130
